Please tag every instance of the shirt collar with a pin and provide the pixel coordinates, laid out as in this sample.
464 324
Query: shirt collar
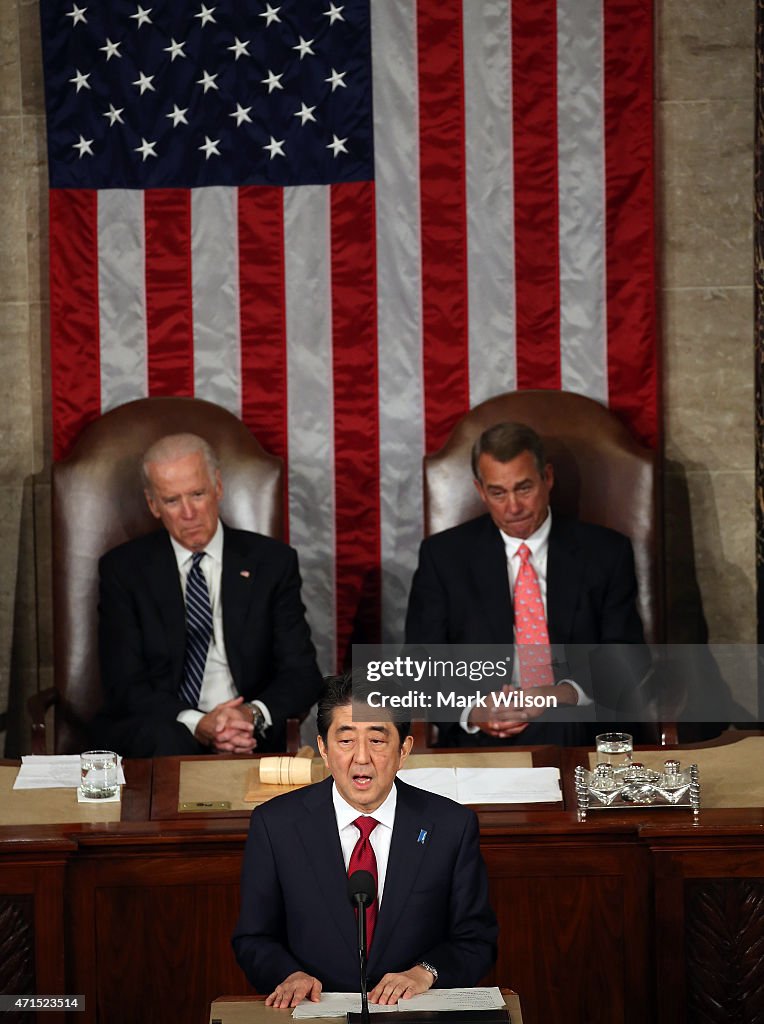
214 549
346 815
537 541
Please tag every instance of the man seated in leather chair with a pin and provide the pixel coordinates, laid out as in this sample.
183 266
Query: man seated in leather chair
203 641
477 582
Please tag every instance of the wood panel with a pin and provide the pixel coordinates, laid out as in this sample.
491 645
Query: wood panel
710 926
152 931
32 930
573 929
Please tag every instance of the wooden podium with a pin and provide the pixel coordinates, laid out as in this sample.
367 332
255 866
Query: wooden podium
252 1010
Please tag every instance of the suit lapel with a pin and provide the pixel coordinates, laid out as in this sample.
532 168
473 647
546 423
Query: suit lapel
489 569
237 587
162 570
565 573
317 831
408 850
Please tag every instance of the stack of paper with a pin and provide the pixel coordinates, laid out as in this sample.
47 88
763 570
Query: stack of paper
488 785
337 1004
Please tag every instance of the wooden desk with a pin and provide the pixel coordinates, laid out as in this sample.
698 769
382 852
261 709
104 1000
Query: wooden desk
34 891
252 1010
226 779
618 920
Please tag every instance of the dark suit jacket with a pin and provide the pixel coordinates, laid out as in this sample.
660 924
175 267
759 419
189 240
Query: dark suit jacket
295 913
460 595
142 628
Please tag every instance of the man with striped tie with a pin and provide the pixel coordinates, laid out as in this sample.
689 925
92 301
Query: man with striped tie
521 576
203 641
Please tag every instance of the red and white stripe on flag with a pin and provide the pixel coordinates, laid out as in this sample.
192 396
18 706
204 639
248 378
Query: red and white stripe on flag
506 242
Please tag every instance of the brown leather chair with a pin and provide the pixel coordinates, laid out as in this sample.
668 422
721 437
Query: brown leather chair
98 503
601 475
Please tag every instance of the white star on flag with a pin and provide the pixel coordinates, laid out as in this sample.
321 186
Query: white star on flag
273 81
305 47
205 14
210 146
114 114
142 17
337 145
270 14
175 50
208 81
111 49
305 113
239 48
80 80
334 13
84 146
275 147
144 83
241 114
178 116
145 149
77 14
336 78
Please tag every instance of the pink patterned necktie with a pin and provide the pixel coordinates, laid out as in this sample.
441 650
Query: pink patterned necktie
531 633
363 859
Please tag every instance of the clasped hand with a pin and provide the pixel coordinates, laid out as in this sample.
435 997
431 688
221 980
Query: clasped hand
501 721
228 728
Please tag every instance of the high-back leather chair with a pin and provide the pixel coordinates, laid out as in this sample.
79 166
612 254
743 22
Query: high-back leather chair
601 475
98 503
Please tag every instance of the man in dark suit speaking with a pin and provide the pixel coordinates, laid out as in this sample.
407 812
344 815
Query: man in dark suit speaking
203 641
431 924
521 575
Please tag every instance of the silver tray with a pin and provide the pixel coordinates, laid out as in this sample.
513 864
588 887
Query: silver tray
635 787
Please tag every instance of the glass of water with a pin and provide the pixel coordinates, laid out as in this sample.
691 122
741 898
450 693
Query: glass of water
615 748
98 774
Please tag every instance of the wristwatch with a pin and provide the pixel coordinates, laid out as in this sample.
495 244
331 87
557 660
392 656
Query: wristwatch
428 967
258 719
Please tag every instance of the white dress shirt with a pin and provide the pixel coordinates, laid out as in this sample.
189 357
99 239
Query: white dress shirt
380 838
538 545
217 683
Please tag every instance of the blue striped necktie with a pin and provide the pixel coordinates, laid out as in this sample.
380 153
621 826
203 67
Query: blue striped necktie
198 631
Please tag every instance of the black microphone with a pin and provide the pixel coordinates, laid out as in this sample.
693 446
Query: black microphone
362 888
362 891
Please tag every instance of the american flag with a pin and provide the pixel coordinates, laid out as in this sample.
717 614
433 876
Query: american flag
348 223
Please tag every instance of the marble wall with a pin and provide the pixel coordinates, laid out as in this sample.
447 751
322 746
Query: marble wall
25 624
705 131
704 90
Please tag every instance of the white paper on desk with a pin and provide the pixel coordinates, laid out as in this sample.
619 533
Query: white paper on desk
455 999
434 780
53 771
336 1004
508 785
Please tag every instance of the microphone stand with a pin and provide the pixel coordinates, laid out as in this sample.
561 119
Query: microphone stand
361 907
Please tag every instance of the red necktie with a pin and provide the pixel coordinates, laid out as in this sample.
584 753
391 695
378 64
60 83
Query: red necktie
362 859
531 632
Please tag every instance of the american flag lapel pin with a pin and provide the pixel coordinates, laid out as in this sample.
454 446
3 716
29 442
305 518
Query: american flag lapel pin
422 836
245 573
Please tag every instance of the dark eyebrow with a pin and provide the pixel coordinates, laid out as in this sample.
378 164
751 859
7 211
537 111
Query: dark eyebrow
372 728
